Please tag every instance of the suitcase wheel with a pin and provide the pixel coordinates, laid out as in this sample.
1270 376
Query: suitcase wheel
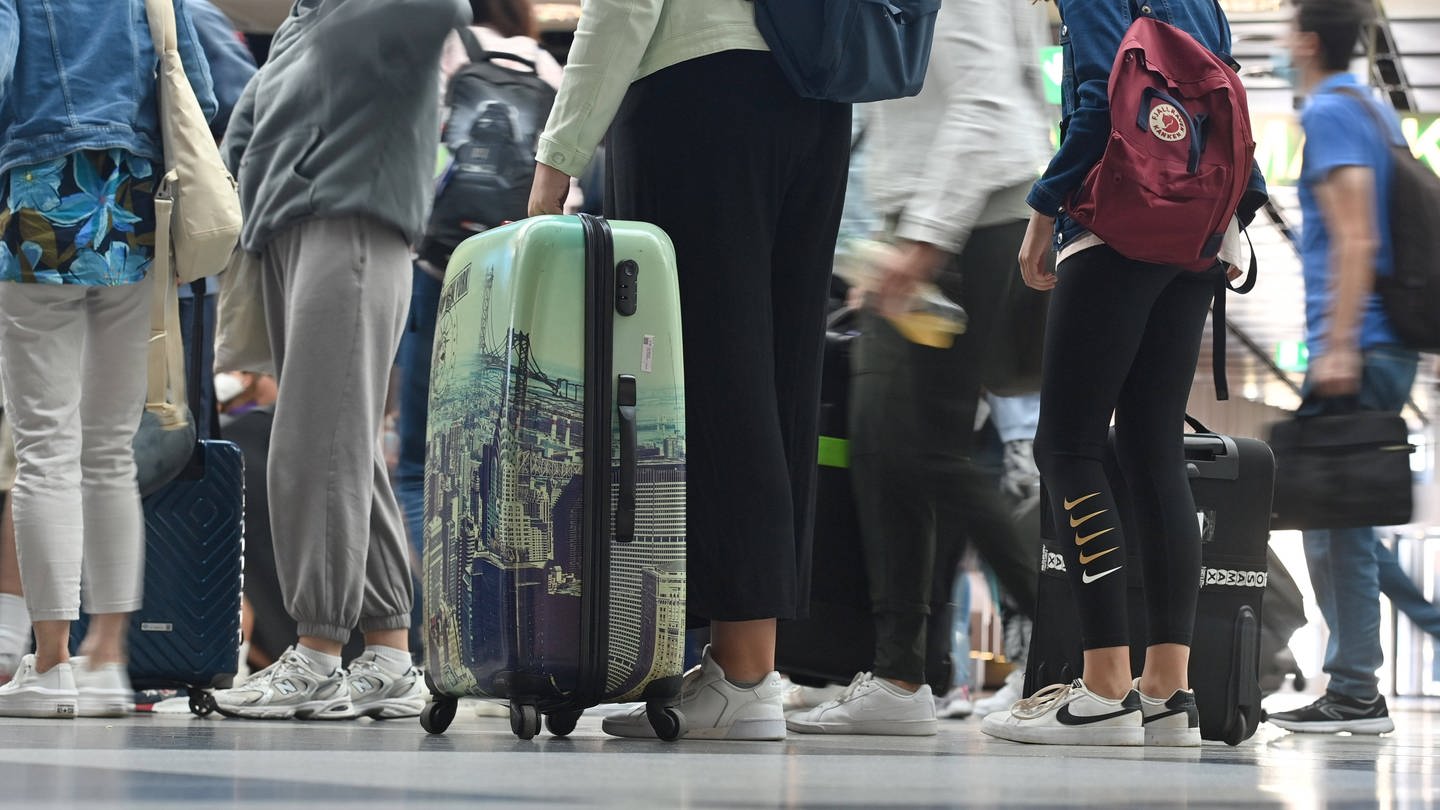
438 714
561 724
202 703
667 721
524 720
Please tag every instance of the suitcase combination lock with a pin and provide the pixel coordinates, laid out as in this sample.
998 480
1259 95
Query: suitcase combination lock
627 286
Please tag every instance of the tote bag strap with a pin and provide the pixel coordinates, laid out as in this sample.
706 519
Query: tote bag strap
161 14
165 369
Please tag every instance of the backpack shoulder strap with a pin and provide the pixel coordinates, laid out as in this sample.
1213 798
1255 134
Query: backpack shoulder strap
1386 131
472 44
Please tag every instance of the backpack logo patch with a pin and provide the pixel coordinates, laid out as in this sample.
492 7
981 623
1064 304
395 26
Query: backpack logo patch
1167 124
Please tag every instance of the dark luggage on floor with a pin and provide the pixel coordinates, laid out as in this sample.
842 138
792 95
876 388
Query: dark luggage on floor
837 640
554 564
1232 480
187 633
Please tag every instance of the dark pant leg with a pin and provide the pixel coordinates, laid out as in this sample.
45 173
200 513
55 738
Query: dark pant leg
1150 447
912 418
803 258
416 348
202 402
710 150
1098 315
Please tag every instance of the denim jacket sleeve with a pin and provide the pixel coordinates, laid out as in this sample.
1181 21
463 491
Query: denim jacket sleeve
1095 30
9 43
197 69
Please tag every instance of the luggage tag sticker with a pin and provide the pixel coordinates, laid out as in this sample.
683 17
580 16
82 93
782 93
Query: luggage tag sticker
647 354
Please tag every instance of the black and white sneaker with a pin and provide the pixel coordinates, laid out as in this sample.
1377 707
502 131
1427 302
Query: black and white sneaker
1070 714
1173 722
1334 713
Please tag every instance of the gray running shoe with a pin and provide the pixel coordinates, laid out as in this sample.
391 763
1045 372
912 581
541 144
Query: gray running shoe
289 689
379 693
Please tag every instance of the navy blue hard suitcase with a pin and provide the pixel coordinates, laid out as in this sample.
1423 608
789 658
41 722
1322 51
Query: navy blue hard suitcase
187 634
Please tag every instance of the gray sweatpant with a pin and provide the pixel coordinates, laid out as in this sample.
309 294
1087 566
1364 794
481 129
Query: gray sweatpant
336 294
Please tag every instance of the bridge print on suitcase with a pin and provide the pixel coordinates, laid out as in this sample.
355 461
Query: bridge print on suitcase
554 563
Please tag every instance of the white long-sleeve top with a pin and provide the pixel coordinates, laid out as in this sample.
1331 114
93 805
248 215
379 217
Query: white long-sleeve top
963 153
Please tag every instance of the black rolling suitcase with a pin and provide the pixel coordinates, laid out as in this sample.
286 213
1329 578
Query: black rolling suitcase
1233 481
837 639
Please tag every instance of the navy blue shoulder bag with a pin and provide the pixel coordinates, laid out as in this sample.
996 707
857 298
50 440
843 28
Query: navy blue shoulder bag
850 50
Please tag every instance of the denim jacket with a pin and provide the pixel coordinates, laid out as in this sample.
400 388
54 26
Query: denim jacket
80 75
1090 38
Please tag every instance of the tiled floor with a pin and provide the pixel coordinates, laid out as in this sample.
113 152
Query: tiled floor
179 762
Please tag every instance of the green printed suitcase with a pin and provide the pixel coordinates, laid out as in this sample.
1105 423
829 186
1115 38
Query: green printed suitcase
554 565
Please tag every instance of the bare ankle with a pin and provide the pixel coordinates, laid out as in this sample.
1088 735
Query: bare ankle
1162 688
44 665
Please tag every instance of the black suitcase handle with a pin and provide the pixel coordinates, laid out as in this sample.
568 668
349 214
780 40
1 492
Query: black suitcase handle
625 400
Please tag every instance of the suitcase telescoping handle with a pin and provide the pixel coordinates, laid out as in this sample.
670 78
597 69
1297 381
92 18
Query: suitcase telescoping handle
625 504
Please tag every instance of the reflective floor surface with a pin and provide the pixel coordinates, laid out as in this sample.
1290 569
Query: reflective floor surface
181 762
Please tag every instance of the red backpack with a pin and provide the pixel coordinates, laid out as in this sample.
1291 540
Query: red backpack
1180 151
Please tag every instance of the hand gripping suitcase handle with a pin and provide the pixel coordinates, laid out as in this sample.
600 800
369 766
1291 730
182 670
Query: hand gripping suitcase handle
625 503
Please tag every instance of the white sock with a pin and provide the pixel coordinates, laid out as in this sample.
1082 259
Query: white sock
323 663
392 660
14 625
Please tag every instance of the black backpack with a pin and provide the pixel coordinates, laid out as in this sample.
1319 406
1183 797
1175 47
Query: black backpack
496 115
1411 293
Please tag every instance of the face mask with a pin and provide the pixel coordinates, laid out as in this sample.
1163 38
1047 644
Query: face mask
1284 68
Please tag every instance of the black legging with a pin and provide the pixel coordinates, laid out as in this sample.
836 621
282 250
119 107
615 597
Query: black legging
1123 337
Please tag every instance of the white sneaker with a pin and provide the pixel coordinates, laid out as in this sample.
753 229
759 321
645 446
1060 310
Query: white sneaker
104 691
1173 722
1012 690
379 693
871 705
715 709
9 663
288 689
1070 714
956 705
807 697
31 694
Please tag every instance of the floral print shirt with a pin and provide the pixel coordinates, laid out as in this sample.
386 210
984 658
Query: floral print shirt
87 218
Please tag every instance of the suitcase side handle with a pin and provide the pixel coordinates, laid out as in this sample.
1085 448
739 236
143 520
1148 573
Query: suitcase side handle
625 504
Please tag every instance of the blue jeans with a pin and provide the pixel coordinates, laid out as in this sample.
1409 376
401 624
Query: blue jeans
960 630
416 346
1345 563
1404 594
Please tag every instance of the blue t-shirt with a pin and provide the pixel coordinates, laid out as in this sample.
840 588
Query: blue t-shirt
1339 133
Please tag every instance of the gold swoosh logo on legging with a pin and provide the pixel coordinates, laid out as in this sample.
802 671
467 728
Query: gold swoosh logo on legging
1086 559
1075 524
1072 504
1080 541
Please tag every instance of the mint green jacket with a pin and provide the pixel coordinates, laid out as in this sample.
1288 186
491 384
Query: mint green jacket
620 41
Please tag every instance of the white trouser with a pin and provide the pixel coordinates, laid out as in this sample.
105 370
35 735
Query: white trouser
73 364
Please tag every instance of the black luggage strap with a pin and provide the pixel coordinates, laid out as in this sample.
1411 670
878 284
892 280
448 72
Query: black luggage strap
1217 326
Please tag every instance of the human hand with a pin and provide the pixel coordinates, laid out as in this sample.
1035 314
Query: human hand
548 192
1035 253
1337 372
901 271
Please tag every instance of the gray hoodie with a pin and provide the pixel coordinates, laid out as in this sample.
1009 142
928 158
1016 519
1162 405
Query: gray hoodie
343 120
